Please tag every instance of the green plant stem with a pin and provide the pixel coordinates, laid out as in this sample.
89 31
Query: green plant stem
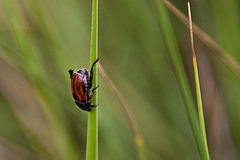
200 107
197 85
92 130
175 57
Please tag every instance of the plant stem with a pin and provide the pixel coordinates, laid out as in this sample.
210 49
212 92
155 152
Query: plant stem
174 53
197 85
217 50
92 131
138 138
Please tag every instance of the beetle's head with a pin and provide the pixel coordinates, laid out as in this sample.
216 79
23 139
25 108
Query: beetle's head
83 71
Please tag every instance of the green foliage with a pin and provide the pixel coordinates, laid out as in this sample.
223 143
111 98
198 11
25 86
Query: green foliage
92 130
41 40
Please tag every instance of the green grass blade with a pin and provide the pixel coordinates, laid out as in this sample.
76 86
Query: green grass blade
197 85
92 130
174 53
199 105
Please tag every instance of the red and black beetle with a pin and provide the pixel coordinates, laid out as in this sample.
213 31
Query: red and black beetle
82 90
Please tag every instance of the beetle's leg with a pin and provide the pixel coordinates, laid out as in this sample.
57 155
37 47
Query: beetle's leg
93 105
91 94
95 88
70 72
91 72
83 105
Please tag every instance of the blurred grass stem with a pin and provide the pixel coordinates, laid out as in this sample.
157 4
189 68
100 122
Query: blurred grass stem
92 128
174 53
197 85
130 118
207 40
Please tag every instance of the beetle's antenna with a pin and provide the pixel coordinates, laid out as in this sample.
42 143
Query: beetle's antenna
94 63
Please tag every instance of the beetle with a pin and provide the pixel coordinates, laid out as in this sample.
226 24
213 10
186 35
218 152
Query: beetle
82 90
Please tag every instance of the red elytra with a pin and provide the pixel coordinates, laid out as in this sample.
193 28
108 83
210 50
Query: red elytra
78 89
82 90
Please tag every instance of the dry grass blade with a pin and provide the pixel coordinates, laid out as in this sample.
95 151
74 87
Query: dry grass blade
207 40
197 85
131 120
191 35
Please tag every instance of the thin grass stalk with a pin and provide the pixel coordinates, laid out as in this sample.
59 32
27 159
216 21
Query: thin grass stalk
181 76
207 40
197 85
92 128
138 138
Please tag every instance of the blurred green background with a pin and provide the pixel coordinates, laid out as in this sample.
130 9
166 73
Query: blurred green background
41 40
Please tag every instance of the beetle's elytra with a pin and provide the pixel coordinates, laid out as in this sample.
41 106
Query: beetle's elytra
82 90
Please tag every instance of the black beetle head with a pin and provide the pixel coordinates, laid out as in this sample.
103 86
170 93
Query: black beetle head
70 72
83 71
